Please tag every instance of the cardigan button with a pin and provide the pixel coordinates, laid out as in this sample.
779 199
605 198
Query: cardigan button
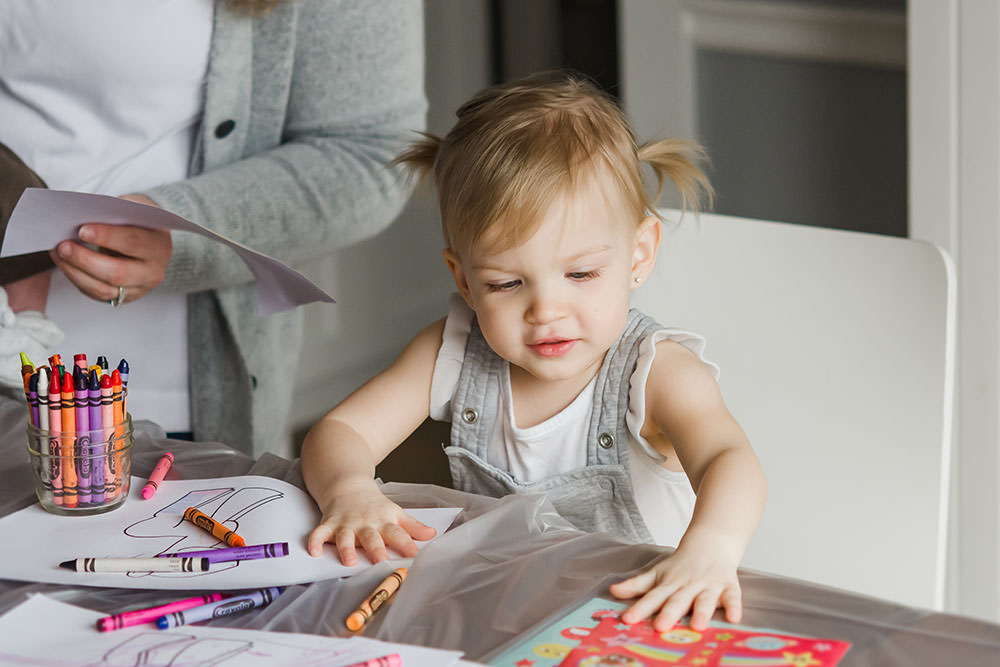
223 129
606 440
469 416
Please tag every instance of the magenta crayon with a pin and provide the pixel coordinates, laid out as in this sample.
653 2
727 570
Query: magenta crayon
97 446
82 403
391 660
140 616
252 552
55 448
111 481
68 440
155 477
233 605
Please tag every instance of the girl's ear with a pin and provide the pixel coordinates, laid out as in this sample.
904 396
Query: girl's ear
458 275
647 245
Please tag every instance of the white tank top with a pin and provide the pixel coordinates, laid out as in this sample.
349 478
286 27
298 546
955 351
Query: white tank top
105 96
664 497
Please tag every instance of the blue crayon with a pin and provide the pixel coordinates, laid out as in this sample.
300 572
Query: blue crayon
81 448
233 605
98 446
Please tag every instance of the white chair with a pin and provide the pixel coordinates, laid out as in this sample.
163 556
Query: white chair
837 357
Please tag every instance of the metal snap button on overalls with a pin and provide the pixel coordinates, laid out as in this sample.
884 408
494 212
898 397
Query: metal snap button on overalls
469 416
606 440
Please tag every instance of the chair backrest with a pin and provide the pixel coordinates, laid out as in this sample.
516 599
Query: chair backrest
837 357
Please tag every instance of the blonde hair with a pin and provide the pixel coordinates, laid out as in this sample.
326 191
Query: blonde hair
517 146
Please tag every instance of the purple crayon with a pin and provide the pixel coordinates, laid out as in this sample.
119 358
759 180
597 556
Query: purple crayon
99 448
82 447
252 552
33 398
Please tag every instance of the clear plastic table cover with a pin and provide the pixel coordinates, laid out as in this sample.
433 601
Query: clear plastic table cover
504 567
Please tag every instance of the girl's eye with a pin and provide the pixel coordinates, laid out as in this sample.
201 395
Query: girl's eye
583 275
502 287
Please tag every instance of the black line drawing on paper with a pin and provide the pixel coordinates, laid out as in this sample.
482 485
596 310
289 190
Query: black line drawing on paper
227 505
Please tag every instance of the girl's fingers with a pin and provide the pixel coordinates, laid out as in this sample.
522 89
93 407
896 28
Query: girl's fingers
344 538
416 529
647 605
674 608
374 546
704 606
732 601
633 586
397 538
317 538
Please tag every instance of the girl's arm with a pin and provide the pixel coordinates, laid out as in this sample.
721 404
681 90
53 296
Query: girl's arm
686 405
340 453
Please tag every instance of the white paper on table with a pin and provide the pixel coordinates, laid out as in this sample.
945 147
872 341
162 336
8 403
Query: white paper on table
43 218
43 631
260 509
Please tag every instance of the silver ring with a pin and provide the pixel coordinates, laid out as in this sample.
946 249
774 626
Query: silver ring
120 299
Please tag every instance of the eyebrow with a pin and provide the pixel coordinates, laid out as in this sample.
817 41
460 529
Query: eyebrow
574 258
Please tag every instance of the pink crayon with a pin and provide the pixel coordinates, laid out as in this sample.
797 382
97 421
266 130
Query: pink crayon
139 616
391 660
56 461
155 477
111 481
82 449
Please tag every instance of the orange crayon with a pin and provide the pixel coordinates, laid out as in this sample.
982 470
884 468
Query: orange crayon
218 530
68 439
382 592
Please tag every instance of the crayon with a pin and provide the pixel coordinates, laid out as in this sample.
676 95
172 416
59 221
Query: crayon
33 398
102 361
26 372
155 477
382 592
123 371
136 564
68 439
98 445
55 360
139 616
55 449
80 361
95 368
218 530
119 420
83 463
42 391
391 660
111 481
253 552
25 361
233 605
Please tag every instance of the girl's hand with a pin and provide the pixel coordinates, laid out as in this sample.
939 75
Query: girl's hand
695 580
362 515
138 261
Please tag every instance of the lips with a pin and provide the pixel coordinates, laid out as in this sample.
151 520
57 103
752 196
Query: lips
553 347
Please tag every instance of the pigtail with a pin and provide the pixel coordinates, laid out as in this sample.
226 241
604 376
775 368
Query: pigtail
678 160
420 156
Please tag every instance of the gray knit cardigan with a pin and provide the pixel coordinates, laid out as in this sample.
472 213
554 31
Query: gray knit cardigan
304 106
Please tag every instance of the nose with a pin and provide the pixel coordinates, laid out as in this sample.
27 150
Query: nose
546 306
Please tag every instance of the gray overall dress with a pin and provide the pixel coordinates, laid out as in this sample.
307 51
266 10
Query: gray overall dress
597 497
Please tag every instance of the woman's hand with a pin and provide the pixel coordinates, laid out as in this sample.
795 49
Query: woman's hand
361 515
137 259
694 579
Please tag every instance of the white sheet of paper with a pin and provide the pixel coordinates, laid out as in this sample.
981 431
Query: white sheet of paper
43 631
44 218
260 509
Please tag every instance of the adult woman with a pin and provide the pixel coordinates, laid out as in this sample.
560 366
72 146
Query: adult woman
272 129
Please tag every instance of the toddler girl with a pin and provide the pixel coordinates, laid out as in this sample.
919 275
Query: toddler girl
552 384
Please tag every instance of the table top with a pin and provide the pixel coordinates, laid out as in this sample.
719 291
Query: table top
507 565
